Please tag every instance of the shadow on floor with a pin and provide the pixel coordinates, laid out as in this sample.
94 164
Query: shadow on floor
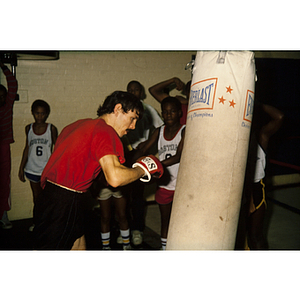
20 238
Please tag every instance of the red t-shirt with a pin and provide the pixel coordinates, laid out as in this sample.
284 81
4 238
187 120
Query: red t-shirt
184 108
74 162
6 111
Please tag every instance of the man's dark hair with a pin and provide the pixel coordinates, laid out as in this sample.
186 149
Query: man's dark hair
128 101
40 103
172 100
143 93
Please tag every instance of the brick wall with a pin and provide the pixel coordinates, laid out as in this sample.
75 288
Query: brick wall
74 86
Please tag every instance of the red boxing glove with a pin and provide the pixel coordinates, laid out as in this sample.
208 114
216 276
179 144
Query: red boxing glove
151 165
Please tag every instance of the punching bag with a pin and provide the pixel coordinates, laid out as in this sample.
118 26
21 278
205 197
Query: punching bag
210 179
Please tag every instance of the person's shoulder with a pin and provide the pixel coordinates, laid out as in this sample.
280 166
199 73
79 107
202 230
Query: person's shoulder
149 107
52 127
27 127
102 126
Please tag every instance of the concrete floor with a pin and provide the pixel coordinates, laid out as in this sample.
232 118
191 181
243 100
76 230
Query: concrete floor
282 226
283 219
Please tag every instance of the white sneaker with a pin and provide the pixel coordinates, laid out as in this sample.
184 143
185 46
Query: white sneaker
137 237
6 225
31 228
119 239
128 247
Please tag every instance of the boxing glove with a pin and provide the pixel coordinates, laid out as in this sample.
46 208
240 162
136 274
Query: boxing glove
151 165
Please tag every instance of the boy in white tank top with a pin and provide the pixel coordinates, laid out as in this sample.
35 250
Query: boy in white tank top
169 139
40 139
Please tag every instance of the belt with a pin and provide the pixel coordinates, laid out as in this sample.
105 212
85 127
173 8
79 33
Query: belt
66 188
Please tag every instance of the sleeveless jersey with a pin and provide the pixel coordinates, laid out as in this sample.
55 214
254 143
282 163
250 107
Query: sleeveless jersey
260 164
39 150
166 149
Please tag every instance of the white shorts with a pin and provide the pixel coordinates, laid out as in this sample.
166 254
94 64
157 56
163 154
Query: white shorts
106 193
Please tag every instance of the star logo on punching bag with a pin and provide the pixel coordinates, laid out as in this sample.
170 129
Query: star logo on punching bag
229 89
232 103
222 100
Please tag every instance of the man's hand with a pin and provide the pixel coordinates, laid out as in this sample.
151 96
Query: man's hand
2 64
152 167
179 84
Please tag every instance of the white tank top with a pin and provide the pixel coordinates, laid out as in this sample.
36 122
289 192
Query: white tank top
39 150
166 149
260 164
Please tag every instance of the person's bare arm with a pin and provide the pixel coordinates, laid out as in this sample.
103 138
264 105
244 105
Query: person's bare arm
272 127
54 134
157 90
116 174
146 145
24 156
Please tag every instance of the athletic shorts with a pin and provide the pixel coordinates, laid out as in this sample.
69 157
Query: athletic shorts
163 196
259 194
106 193
59 218
33 178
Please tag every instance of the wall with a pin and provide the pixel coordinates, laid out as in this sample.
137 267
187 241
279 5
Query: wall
74 86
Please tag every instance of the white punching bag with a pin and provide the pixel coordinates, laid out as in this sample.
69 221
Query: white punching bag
210 180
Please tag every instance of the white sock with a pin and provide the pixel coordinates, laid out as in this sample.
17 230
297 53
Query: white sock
125 237
163 243
105 239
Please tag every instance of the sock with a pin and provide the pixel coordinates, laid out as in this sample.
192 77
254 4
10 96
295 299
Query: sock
125 237
105 240
163 243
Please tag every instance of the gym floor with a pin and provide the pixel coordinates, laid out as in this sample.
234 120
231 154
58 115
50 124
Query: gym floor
282 225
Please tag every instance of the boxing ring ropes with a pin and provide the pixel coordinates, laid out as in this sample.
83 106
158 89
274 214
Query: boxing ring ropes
297 184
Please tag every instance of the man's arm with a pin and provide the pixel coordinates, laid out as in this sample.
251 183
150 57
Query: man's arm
157 90
12 84
24 156
54 135
146 145
272 127
117 174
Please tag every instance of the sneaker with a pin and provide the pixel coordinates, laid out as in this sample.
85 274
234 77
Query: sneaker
128 247
6 225
119 240
137 237
106 248
31 228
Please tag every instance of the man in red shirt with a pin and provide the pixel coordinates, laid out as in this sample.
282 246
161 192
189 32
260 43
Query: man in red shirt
82 151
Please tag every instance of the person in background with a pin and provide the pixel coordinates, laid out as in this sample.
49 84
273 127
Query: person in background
83 150
144 127
160 91
169 139
40 139
7 99
267 120
106 197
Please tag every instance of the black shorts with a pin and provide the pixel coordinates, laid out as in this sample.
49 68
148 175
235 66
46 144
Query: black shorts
59 218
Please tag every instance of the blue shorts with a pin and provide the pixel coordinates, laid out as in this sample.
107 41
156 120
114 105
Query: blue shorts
33 178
